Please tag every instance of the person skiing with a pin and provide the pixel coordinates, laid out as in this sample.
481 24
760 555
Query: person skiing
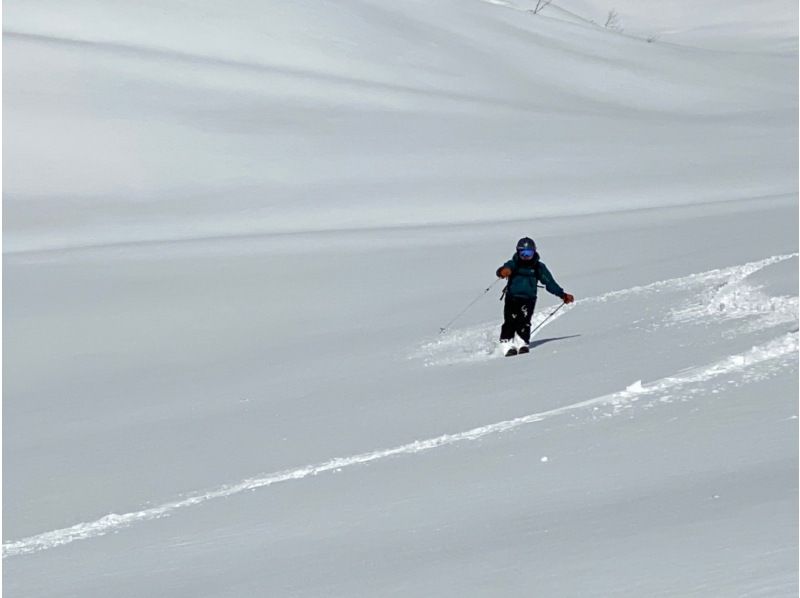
523 271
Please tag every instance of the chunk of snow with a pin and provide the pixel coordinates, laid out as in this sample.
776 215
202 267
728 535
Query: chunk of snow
635 387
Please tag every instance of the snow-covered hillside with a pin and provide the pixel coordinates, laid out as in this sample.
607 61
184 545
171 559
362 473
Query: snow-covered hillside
232 232
136 121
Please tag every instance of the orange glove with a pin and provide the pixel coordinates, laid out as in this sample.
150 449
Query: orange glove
568 298
504 272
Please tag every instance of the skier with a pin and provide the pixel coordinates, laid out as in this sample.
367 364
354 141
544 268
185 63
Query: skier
523 271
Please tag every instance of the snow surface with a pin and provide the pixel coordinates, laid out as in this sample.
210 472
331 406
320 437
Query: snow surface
232 232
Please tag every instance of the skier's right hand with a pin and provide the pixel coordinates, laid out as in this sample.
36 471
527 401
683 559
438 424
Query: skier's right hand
504 272
568 298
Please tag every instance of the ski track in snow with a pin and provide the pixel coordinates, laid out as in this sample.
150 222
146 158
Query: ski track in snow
737 299
732 298
771 357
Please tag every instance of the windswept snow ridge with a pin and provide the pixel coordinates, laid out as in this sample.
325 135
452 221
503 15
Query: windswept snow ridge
778 352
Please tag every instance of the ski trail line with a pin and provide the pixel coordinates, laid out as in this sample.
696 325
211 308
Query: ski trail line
440 351
738 272
780 347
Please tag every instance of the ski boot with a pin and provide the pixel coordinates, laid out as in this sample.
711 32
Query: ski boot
508 348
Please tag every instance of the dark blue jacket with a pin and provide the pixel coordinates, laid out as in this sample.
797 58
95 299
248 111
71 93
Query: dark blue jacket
524 276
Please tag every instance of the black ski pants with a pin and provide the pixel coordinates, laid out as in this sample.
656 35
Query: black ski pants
517 314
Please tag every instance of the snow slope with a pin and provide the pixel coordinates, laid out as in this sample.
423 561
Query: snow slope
232 233
159 121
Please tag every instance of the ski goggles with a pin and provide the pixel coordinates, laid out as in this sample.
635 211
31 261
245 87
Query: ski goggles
526 253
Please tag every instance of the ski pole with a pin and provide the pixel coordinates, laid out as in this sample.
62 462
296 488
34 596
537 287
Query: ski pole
552 313
442 329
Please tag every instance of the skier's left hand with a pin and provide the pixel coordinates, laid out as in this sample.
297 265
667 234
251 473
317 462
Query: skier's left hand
568 298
